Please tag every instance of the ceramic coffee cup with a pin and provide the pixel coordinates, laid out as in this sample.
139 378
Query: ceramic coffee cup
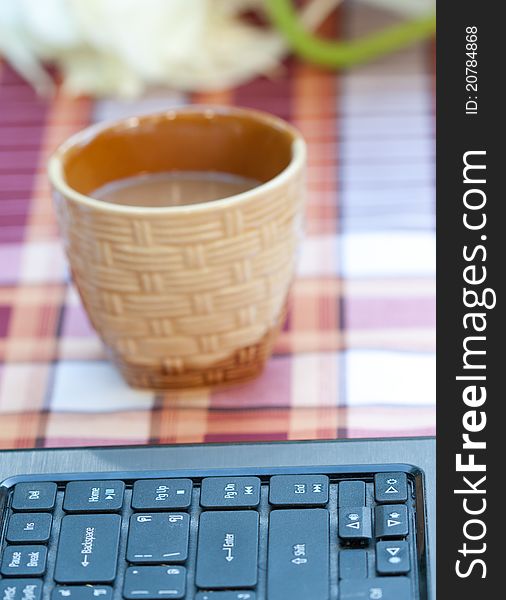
184 296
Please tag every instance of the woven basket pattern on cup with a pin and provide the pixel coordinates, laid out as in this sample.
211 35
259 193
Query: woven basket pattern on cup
190 297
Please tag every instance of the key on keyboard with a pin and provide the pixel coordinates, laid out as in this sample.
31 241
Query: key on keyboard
158 538
384 588
34 496
353 564
22 561
230 492
298 566
29 527
355 524
227 549
94 496
82 592
88 549
21 589
162 494
155 582
301 536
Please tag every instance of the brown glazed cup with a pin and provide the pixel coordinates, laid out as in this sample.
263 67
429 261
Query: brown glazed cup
184 296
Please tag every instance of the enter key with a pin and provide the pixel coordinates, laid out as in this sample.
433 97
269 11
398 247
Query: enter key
227 553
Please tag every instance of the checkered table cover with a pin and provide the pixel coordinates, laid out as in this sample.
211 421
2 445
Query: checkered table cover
357 355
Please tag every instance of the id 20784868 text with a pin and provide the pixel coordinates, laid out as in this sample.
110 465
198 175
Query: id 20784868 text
471 69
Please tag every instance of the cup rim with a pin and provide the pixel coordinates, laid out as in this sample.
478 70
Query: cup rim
57 178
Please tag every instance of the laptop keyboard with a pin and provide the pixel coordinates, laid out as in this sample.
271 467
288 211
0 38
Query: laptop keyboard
288 536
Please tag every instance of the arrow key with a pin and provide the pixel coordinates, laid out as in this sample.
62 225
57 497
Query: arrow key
392 558
390 487
391 520
355 523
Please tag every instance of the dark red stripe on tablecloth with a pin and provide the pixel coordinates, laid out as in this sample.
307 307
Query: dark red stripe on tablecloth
22 124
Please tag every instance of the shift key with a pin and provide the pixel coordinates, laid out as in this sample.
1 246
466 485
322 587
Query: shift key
88 549
298 563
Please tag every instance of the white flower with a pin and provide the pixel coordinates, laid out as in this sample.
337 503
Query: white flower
122 46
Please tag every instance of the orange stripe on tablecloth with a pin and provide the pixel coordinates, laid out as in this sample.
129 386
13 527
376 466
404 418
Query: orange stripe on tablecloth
28 325
172 423
321 389
191 398
30 295
248 424
403 339
36 300
66 116
19 430
379 287
315 94
308 286
315 311
316 423
125 426
29 348
295 342
314 317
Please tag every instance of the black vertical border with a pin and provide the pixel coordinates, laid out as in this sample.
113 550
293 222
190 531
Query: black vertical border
458 133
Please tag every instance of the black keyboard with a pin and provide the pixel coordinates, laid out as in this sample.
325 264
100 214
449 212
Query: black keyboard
343 533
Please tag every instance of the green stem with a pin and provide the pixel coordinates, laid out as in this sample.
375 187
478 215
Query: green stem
344 54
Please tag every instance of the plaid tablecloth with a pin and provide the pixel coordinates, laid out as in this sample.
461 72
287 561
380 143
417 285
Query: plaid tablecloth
357 355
